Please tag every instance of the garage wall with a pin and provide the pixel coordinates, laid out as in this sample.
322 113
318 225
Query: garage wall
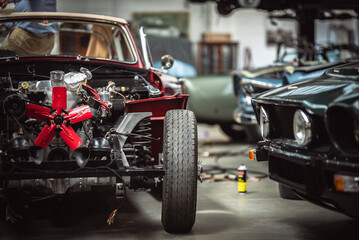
337 31
246 26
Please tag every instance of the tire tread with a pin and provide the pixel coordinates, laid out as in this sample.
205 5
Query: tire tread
180 155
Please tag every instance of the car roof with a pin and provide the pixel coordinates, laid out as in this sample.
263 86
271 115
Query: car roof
61 15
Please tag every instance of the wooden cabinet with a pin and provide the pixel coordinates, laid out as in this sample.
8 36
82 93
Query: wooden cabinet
217 57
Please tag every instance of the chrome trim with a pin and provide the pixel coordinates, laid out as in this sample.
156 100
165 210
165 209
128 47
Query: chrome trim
131 45
264 124
146 54
257 83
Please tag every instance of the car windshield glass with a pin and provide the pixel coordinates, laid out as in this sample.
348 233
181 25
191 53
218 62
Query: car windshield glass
65 39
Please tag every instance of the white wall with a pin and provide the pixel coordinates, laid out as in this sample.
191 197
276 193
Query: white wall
246 26
335 31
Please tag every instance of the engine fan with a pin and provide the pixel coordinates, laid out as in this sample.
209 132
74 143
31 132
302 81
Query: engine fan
58 120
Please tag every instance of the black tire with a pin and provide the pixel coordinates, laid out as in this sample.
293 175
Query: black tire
287 193
180 156
234 131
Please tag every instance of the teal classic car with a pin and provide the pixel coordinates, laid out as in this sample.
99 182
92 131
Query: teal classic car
213 102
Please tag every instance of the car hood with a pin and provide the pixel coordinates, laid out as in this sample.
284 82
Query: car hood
269 78
336 85
310 72
263 72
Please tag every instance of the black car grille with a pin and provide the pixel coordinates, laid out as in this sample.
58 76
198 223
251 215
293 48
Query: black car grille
282 119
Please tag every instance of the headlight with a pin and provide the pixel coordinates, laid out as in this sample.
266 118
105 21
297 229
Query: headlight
247 91
248 100
302 128
264 123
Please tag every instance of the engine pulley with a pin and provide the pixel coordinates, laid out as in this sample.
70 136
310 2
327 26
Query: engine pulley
14 106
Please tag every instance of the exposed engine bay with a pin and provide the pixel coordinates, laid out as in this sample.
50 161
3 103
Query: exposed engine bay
51 124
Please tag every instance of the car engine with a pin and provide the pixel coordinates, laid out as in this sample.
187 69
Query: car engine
64 119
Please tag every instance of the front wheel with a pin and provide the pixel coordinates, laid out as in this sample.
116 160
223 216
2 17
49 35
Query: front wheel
180 155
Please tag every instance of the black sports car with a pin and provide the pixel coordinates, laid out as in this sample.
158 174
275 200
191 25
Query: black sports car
311 138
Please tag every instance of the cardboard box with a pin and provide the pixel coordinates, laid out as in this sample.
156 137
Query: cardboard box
217 37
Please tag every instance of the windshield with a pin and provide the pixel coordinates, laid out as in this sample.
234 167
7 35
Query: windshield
66 38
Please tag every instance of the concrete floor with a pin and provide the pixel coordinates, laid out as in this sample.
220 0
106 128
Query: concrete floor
222 212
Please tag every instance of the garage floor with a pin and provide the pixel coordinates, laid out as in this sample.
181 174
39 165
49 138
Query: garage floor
222 212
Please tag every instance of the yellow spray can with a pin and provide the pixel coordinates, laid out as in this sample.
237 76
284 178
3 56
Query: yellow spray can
242 179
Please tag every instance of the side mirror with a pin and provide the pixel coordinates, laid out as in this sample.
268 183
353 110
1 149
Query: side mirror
166 61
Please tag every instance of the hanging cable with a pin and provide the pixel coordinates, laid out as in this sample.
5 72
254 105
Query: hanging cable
212 170
111 218
92 91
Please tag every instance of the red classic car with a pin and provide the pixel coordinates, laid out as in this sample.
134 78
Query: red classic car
90 112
